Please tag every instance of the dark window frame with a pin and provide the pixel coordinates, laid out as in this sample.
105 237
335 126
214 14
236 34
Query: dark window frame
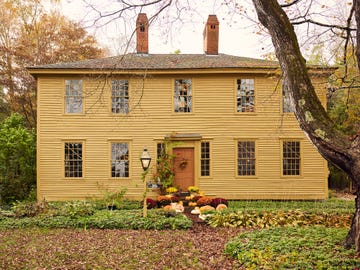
73 159
291 158
205 159
246 158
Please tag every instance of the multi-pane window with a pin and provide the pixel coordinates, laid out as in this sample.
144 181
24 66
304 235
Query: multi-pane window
291 158
73 159
245 95
120 159
246 158
120 96
182 96
73 96
286 103
205 159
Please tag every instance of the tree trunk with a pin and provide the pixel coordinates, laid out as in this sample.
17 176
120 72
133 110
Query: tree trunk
338 148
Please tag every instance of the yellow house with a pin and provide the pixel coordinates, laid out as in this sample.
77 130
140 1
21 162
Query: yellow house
238 138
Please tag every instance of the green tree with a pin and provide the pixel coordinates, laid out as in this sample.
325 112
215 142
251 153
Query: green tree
17 160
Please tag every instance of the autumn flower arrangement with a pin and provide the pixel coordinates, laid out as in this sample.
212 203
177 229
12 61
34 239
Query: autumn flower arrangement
171 190
204 201
216 201
163 200
193 189
151 203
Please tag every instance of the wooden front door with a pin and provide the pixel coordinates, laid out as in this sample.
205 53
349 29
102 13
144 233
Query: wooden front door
183 168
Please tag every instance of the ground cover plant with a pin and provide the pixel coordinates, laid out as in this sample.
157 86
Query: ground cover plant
86 214
92 239
313 247
332 205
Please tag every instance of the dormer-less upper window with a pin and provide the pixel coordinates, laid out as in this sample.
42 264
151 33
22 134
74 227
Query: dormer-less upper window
142 27
213 26
120 96
183 96
245 95
73 96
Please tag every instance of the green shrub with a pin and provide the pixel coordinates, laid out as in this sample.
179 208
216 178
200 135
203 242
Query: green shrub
110 199
30 208
293 248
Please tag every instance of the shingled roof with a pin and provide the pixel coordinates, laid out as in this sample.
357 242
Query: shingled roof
162 62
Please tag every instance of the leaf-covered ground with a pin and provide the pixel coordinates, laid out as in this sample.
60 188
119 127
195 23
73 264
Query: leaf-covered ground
201 247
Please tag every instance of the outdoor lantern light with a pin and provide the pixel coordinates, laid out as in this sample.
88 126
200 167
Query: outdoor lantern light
145 163
145 159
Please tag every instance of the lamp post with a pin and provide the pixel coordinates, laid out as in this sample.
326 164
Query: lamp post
145 163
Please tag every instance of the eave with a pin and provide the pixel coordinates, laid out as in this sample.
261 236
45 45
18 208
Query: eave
108 72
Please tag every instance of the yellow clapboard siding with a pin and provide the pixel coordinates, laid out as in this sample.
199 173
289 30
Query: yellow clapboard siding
151 118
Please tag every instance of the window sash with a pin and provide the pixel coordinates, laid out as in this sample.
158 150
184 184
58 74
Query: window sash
245 95
205 159
291 158
120 159
246 158
160 150
73 96
120 96
73 159
183 96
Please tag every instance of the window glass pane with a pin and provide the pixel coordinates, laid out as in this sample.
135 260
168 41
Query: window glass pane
205 159
245 95
246 158
120 96
119 160
73 96
291 158
182 96
73 160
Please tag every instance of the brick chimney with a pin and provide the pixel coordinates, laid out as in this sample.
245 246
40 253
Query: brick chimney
211 36
142 33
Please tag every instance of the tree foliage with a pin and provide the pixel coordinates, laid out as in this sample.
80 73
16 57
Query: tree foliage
17 159
29 36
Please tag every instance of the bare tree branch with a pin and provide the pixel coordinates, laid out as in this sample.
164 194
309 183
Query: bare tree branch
290 4
346 28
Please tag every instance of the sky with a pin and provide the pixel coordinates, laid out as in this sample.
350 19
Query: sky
182 28
237 35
